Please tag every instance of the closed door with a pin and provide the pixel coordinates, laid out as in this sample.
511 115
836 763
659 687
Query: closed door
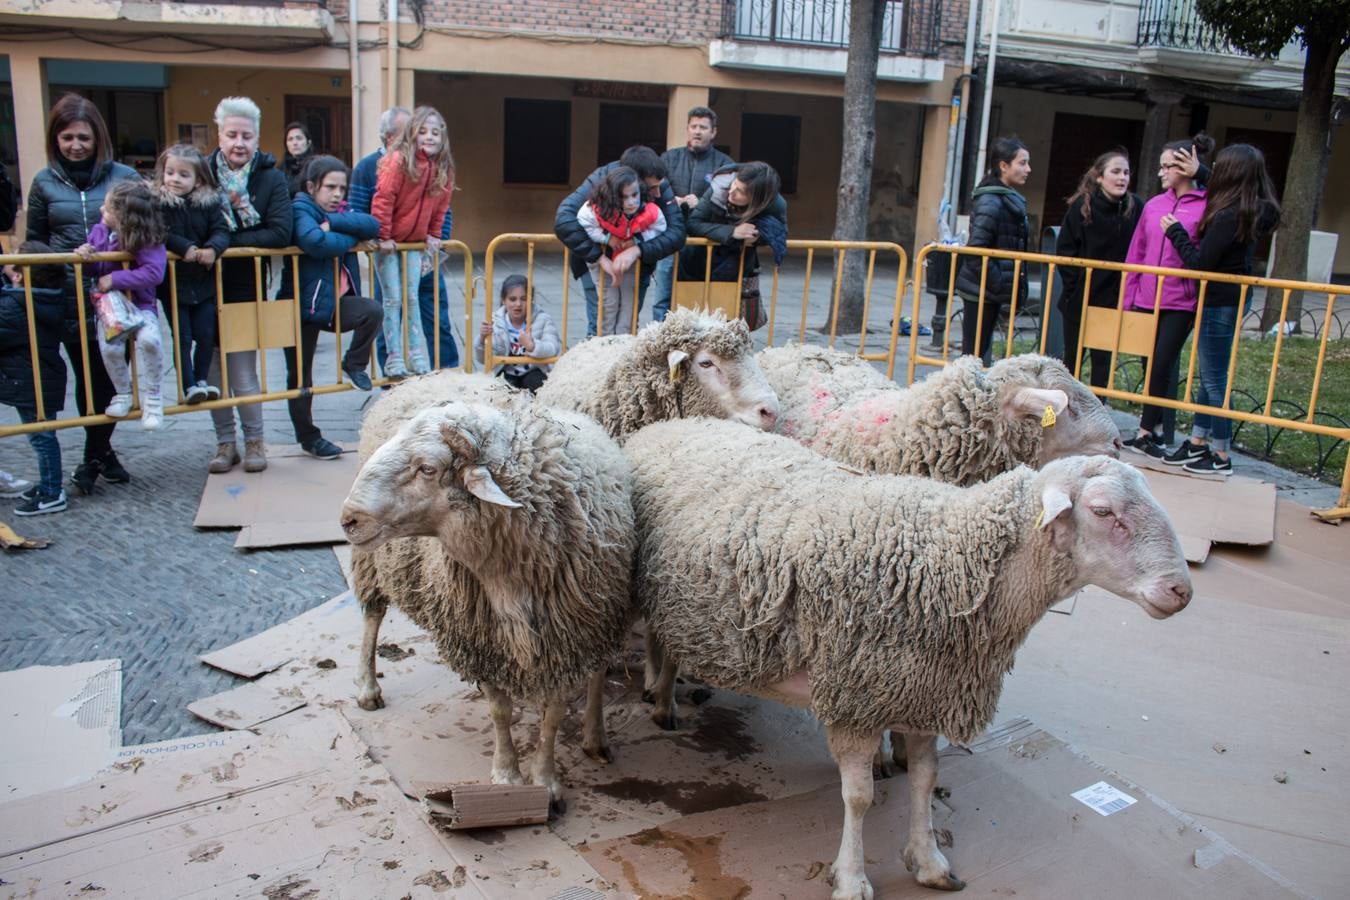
328 120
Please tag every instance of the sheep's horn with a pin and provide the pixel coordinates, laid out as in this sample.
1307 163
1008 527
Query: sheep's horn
461 443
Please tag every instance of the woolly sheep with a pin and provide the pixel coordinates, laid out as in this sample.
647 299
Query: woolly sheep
962 424
691 364
875 601
522 575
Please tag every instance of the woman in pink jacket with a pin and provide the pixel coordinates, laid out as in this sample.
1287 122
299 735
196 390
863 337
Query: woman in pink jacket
1183 201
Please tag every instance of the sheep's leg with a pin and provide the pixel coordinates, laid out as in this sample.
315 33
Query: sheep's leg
651 666
505 763
368 693
545 764
922 856
594 742
890 756
853 752
663 693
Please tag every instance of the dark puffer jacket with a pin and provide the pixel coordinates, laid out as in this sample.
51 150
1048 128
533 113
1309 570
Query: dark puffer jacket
61 215
584 250
197 220
691 173
16 361
1106 237
271 197
318 291
712 219
998 221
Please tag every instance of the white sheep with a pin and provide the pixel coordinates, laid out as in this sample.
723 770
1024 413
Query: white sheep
876 601
522 573
691 364
961 424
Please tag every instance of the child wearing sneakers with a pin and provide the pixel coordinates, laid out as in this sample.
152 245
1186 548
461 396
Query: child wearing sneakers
46 286
132 223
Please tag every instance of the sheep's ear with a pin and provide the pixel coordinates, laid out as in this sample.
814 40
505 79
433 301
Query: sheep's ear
673 360
461 443
1038 403
478 481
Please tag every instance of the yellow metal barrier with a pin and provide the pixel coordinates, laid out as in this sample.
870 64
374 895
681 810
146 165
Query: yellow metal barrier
1132 332
261 324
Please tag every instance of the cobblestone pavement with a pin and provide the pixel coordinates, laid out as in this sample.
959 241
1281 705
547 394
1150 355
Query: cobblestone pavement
128 576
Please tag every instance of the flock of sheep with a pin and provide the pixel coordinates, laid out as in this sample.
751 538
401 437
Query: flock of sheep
790 524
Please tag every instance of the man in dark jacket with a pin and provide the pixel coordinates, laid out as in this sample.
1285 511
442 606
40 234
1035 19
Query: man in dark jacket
17 386
584 251
689 169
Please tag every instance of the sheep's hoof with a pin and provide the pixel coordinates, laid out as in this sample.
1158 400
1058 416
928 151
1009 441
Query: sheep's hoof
648 696
945 882
601 754
665 722
849 888
558 807
370 702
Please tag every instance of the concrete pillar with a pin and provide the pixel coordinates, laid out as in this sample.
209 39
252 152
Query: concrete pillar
1159 106
682 99
372 80
932 173
28 78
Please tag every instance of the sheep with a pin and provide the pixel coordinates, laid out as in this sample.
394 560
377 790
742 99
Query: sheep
876 601
394 408
691 364
522 575
962 424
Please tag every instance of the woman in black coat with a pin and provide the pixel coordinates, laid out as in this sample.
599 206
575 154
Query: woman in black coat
998 221
1098 224
64 203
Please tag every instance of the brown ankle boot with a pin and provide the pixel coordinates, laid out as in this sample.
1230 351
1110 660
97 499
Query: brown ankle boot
255 455
226 458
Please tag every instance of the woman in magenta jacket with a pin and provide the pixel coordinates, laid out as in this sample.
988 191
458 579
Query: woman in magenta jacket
1183 201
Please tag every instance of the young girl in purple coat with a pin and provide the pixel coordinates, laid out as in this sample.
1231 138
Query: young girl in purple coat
132 223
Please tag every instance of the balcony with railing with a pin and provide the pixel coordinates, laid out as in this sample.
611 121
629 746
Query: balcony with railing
1172 32
812 36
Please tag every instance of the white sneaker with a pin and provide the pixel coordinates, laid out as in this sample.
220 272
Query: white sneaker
12 486
119 407
152 414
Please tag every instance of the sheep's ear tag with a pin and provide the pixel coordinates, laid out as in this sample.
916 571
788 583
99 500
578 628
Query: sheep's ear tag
1048 417
673 360
1041 403
1053 503
478 481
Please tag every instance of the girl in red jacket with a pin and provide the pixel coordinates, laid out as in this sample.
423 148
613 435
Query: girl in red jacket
412 194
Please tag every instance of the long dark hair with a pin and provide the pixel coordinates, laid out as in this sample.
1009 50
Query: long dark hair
1240 183
1003 150
318 168
1088 185
73 108
139 224
761 183
607 196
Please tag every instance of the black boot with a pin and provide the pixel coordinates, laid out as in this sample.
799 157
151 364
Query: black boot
112 468
86 476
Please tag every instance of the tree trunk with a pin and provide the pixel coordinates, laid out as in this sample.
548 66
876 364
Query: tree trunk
855 168
1307 173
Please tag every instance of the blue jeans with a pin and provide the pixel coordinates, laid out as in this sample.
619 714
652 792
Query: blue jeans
665 282
48 450
400 273
426 302
1215 345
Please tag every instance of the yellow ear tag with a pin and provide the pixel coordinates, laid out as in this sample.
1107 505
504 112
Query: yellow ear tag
675 373
1040 518
1048 419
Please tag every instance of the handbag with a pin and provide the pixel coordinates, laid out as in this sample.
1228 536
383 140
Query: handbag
118 318
752 303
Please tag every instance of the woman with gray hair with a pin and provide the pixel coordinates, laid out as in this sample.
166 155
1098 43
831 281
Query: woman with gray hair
259 215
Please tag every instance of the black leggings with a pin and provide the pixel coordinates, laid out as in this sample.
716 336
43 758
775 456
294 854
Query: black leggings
1174 326
1101 359
969 315
196 323
97 438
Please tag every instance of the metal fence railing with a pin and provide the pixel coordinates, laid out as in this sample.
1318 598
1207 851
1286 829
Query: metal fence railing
908 26
1132 333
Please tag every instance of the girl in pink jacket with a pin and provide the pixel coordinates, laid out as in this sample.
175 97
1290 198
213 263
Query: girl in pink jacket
1181 200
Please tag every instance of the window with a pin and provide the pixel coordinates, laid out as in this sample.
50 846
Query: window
537 145
624 124
775 140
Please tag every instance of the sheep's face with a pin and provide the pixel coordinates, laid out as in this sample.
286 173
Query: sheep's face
1100 512
430 479
725 387
1082 426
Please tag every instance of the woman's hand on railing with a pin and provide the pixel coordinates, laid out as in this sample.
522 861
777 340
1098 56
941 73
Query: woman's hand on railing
85 252
202 256
745 232
433 244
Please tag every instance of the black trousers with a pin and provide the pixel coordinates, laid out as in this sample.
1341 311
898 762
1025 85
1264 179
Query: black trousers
97 438
971 313
1174 326
196 323
359 314
1101 359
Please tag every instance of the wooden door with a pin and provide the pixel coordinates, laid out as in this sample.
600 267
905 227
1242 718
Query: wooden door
329 121
1076 143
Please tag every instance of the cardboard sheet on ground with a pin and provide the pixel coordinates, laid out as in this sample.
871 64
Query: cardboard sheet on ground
302 813
297 500
1017 831
1236 510
343 552
61 725
1209 706
248 706
271 649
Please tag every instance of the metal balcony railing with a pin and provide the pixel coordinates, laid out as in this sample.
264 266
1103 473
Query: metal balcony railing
909 28
1176 24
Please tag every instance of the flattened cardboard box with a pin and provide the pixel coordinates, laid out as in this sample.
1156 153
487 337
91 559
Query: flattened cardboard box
296 500
1017 831
1236 510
